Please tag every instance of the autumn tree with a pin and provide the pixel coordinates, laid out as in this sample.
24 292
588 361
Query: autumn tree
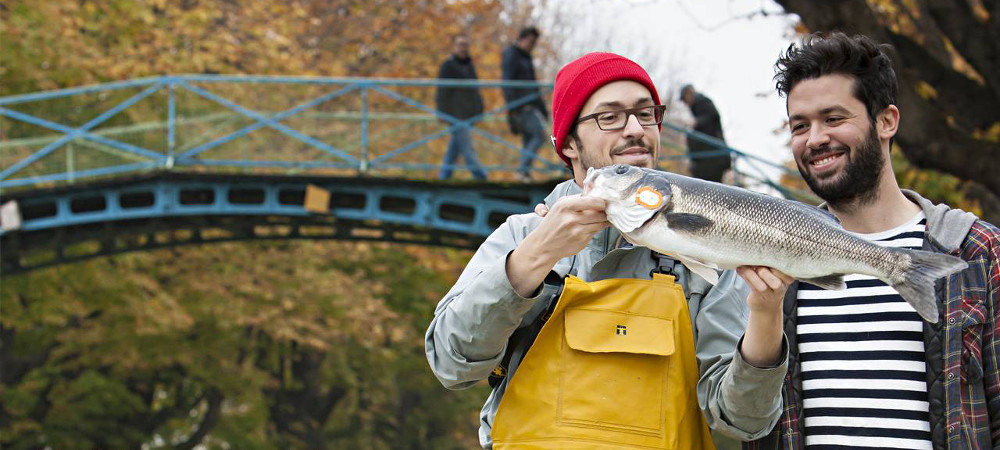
947 58
259 345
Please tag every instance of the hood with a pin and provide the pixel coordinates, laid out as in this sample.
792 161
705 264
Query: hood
945 225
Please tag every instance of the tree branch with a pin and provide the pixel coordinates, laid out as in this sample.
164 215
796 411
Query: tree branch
214 398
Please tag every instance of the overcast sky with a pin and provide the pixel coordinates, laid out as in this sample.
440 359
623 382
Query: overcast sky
726 48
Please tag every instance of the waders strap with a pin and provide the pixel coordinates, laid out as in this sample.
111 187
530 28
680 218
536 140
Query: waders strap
664 265
523 337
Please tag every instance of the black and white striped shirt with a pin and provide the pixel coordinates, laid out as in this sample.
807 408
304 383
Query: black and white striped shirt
862 356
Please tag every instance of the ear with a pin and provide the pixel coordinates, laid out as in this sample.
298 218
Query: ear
569 148
888 122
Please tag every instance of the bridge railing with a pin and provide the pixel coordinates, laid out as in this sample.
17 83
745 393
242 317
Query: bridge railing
273 124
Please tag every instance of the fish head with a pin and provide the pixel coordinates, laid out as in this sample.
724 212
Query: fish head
633 194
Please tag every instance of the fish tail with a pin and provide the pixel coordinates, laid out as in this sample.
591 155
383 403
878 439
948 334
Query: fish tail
916 283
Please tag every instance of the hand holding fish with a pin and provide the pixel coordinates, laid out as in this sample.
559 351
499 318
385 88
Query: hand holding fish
767 287
564 231
762 342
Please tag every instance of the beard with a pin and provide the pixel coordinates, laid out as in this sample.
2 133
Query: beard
588 160
857 184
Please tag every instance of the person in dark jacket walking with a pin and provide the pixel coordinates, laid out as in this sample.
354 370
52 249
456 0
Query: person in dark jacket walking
527 119
461 103
864 371
707 121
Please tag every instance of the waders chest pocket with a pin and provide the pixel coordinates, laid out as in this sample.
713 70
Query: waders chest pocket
614 370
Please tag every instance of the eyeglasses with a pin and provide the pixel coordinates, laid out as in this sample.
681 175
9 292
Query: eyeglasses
616 120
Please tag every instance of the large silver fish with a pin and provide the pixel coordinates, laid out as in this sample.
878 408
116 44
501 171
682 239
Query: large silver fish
710 226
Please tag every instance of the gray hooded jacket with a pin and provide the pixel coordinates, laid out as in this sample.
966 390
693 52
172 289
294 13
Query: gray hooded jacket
469 334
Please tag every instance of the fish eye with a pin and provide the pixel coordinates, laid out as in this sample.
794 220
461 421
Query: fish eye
621 169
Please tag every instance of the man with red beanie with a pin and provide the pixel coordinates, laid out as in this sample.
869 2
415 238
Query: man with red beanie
588 341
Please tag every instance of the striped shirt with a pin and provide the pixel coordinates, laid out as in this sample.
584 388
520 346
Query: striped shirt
862 358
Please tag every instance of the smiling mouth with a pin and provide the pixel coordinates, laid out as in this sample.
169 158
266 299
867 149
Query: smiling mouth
821 160
824 160
634 151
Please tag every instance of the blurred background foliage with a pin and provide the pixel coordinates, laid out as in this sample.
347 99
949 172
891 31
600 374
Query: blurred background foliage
241 345
320 344
294 344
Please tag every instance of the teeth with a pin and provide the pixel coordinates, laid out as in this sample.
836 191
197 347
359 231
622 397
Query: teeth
824 160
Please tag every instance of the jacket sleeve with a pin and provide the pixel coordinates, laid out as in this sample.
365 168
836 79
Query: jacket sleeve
509 72
738 399
705 113
477 98
443 94
540 104
468 335
990 346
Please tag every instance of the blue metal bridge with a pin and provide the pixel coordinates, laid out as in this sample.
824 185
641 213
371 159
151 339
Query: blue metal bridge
175 160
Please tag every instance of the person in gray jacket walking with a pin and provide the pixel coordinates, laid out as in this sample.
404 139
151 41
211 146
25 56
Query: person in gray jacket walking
515 290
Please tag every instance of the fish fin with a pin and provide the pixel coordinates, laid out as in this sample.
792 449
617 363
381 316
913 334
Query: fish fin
705 270
917 286
834 282
686 222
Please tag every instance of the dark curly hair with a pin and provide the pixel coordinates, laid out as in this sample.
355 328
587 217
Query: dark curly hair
859 57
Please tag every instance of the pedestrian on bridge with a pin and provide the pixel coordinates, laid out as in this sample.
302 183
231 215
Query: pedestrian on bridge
587 340
529 117
704 165
461 103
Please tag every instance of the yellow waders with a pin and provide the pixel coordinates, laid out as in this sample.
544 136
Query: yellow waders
613 367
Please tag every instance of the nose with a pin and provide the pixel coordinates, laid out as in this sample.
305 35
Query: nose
632 127
817 137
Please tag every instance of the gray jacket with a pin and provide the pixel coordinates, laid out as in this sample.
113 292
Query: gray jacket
468 336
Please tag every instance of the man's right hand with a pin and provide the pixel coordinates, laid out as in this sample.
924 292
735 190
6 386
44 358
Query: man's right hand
564 231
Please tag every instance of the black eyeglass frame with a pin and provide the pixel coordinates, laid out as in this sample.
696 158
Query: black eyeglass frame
658 112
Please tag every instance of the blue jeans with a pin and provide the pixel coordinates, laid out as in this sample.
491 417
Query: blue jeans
533 136
461 145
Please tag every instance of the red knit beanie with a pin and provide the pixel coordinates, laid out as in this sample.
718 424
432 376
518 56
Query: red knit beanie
577 80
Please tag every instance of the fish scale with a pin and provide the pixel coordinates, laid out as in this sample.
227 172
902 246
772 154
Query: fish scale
710 226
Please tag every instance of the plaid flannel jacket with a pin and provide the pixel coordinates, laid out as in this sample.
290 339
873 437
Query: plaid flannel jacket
963 355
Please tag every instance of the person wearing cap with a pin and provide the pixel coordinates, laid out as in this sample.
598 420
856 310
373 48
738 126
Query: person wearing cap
587 341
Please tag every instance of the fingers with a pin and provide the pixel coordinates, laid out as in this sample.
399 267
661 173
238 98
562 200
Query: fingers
580 203
784 278
578 210
591 216
749 274
595 227
764 278
769 278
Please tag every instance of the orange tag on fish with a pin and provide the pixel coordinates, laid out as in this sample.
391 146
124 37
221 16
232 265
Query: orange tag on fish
649 197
